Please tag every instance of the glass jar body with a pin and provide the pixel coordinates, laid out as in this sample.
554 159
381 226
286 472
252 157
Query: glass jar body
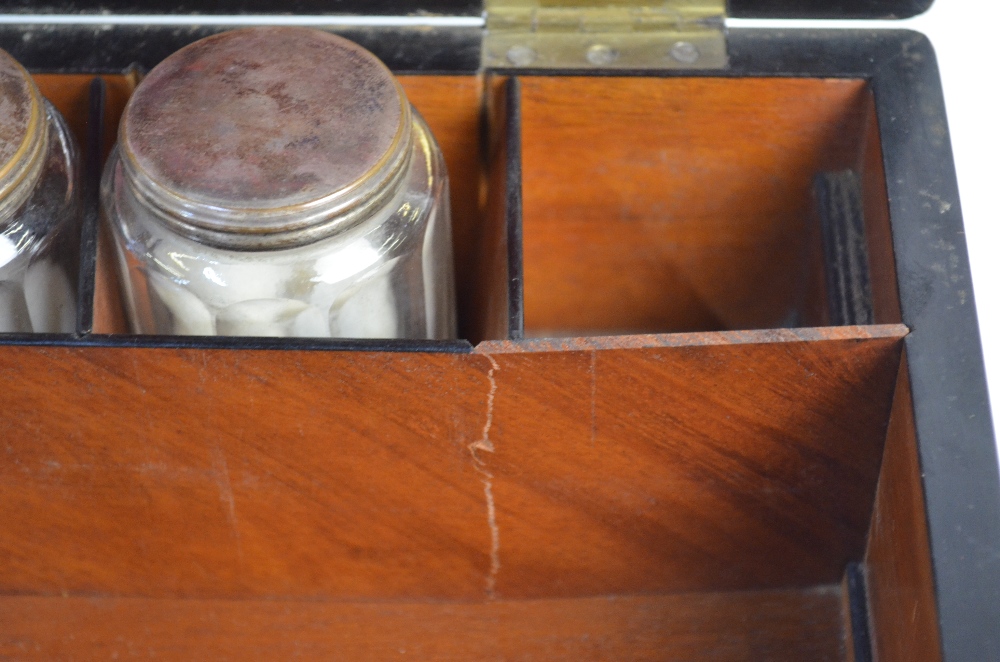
387 275
39 240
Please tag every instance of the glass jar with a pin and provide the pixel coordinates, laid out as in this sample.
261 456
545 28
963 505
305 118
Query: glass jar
277 182
39 209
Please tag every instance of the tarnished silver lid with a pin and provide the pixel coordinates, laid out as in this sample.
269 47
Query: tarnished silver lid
22 134
253 137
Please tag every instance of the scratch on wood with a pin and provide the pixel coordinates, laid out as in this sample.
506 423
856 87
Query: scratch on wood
221 471
202 368
491 518
485 444
593 396
137 373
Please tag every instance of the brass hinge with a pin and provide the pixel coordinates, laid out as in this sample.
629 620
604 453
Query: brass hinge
618 34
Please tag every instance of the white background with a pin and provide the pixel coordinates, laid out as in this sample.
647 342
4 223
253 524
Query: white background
964 36
968 51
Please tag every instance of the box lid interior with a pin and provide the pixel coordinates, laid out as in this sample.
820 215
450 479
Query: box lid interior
855 9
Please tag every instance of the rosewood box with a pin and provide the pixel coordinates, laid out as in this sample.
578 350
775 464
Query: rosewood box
719 392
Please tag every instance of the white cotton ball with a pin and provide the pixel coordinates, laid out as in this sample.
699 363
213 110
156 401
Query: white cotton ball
272 318
8 250
222 285
368 313
346 263
14 317
311 323
190 317
50 298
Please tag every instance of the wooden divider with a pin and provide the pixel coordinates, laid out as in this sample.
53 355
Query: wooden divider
70 94
658 464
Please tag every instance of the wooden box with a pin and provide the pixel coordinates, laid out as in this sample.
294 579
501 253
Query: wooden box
685 420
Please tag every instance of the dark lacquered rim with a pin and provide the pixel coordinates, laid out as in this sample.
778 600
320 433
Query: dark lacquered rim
849 9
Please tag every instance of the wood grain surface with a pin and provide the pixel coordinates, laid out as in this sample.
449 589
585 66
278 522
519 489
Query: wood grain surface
649 466
902 605
785 625
675 204
673 468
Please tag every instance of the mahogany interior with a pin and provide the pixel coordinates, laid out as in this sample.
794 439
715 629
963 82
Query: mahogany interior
679 204
490 503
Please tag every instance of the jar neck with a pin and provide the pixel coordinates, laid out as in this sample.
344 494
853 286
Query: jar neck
20 174
226 226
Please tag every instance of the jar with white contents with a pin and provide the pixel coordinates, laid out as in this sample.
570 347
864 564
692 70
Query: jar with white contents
39 209
277 182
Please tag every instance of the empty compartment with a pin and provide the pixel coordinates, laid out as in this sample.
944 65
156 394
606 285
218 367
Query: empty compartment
693 204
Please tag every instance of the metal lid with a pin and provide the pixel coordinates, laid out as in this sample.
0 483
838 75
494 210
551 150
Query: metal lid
21 137
250 131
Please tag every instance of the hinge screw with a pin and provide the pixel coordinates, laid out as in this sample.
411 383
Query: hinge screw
601 55
521 56
685 52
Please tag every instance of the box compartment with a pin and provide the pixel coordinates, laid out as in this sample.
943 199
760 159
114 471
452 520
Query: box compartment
656 205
